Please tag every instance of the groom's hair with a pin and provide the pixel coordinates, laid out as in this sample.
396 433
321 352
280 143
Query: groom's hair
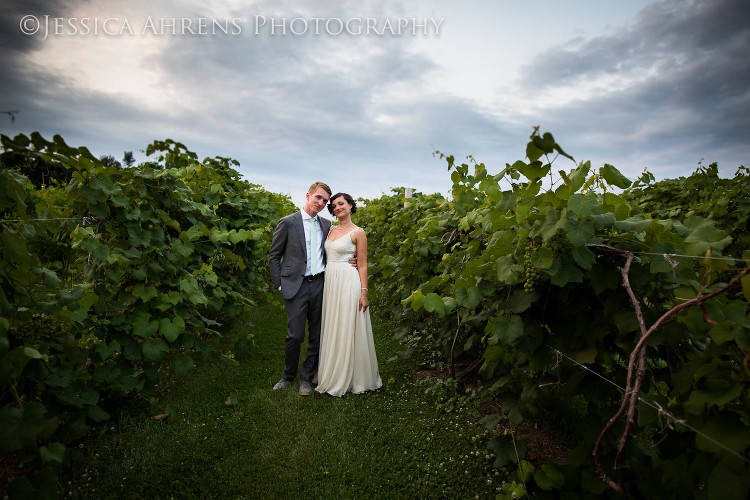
317 185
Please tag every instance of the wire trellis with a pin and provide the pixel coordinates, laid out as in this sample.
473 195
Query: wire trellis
656 406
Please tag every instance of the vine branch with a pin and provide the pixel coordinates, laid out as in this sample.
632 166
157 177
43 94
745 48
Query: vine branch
636 364
453 346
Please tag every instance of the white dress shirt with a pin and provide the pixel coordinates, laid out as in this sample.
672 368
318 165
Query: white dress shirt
319 236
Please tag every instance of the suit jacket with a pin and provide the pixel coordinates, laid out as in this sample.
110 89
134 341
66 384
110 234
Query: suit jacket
287 258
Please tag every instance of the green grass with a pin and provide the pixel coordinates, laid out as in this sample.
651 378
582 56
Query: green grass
391 443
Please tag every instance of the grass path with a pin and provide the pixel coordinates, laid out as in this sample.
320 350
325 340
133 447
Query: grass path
387 444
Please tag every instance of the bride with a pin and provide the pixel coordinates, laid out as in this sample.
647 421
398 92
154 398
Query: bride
348 362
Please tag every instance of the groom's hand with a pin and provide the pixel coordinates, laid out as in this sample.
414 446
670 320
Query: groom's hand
353 262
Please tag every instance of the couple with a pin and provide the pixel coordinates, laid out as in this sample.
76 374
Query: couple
325 285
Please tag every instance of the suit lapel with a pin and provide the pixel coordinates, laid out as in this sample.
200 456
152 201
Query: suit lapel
300 230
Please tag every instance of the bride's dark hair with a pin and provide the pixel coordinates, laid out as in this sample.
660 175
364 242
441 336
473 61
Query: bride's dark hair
348 199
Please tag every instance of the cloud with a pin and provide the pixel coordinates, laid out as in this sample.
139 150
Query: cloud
366 112
670 89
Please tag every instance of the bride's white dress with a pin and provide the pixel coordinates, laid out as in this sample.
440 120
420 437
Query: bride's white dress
347 352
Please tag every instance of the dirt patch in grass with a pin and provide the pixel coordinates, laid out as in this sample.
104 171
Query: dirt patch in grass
545 444
432 374
10 469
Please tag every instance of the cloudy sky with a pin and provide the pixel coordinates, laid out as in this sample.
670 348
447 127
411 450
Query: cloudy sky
359 93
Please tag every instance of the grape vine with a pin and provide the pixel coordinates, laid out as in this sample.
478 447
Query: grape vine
536 298
111 277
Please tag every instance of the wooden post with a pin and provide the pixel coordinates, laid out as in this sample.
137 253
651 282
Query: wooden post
407 196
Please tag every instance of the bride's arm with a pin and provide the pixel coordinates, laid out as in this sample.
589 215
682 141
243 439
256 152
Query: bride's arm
360 240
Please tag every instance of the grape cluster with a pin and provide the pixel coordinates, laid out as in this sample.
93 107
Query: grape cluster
555 244
532 273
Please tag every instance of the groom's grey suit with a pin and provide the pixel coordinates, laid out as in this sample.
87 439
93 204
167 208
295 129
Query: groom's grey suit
287 261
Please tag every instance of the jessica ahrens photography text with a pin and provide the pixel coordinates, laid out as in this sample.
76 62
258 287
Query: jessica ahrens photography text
46 26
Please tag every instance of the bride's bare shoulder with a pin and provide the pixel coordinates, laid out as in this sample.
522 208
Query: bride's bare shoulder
357 233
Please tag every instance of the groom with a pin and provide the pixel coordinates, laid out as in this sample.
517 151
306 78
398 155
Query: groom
297 264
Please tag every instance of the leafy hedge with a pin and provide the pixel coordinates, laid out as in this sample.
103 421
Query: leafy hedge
564 286
110 276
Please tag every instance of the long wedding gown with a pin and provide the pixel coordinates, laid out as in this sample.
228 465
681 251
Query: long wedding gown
348 362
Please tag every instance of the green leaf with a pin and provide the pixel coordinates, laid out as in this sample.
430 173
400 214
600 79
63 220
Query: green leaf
520 301
506 270
511 490
416 299
143 326
725 331
139 273
182 248
583 205
50 278
32 353
449 304
729 480
699 400
14 248
133 352
106 350
587 355
468 298
182 366
10 421
237 236
525 471
551 223
533 153
433 303
542 258
493 352
196 231
544 142
636 224
581 233
603 221
705 236
578 176
560 150
614 177
584 257
534 170
489 422
567 273
549 478
55 451
171 329
591 483
155 351
726 431
502 446
144 293
507 329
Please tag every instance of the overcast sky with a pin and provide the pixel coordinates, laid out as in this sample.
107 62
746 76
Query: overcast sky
360 93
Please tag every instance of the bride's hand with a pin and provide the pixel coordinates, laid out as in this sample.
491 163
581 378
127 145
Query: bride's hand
363 302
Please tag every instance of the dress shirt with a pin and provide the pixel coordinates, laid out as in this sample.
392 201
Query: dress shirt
319 253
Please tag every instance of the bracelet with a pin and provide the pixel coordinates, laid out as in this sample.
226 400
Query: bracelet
364 289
